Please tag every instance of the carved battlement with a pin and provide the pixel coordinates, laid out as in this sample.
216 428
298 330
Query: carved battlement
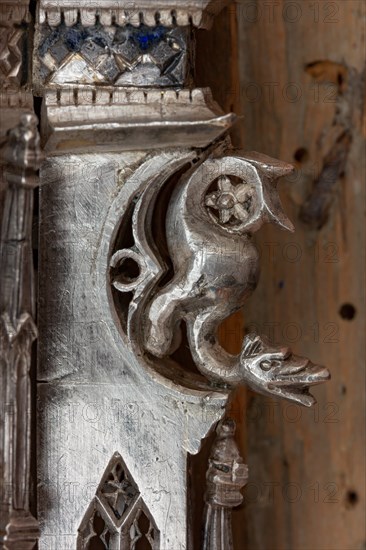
198 13
129 118
110 96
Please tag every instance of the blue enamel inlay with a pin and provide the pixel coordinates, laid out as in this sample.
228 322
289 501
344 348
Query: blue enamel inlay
48 42
144 37
147 37
74 38
126 42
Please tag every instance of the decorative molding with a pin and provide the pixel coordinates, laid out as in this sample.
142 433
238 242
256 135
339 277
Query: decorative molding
22 157
11 58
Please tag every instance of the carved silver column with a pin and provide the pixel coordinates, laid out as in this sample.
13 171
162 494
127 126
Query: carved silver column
21 157
121 122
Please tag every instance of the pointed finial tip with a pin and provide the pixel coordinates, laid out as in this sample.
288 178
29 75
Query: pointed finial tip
226 427
22 147
29 120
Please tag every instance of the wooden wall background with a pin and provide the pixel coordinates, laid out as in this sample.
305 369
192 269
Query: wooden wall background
295 71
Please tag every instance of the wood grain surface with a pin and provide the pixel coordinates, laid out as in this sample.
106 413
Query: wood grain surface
295 71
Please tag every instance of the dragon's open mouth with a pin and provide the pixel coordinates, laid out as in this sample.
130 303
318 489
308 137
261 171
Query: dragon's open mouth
293 380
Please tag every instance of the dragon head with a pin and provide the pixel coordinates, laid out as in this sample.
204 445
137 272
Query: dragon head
277 372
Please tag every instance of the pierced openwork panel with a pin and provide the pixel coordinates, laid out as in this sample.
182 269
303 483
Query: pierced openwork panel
95 532
118 518
117 490
140 532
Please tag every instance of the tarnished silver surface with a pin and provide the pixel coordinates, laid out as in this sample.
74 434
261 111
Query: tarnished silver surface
21 157
226 476
97 395
17 329
151 415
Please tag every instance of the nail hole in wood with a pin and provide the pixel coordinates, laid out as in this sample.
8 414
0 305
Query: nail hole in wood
347 312
352 498
301 154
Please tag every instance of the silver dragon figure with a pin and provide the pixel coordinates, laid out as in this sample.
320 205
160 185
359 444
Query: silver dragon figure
212 215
